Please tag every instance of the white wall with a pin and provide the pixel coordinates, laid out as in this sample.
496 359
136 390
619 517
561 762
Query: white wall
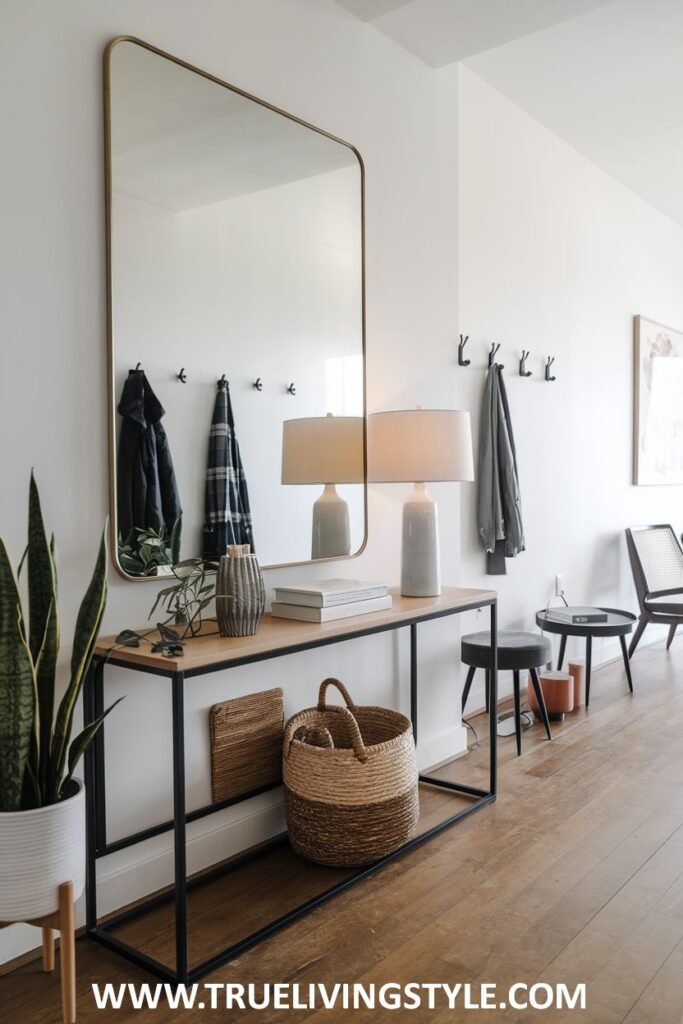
266 285
309 57
557 258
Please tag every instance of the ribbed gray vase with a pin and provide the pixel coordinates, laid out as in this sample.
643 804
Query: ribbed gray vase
242 595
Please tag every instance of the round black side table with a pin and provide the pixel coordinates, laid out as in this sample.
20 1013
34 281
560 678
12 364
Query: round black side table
619 623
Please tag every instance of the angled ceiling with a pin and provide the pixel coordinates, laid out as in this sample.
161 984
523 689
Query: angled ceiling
604 75
611 84
444 31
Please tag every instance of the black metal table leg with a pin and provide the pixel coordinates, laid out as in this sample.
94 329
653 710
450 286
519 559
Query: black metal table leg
492 691
627 664
98 750
179 838
563 647
90 808
589 658
540 699
413 678
518 711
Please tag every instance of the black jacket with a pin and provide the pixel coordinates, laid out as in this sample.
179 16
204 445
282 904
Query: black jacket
147 492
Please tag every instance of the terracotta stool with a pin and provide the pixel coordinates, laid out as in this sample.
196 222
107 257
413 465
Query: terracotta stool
558 691
578 670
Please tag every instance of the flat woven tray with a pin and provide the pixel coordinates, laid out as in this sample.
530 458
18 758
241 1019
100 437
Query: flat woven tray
246 743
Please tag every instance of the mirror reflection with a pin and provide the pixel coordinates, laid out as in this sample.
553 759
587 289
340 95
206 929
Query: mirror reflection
237 349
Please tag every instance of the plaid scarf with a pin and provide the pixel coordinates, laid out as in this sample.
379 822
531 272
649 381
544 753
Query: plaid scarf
227 518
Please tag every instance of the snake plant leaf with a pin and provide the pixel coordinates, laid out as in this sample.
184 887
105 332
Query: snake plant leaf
81 743
43 628
17 691
87 627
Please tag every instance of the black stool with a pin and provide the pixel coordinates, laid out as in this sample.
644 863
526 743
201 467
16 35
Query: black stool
516 652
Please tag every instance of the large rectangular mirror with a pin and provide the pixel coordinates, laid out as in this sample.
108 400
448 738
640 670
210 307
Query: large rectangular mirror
236 323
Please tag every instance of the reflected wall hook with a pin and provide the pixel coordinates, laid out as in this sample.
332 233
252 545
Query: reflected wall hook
182 376
258 384
492 354
461 348
291 389
223 383
523 372
549 363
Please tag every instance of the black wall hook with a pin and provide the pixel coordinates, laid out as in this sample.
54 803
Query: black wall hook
223 383
258 384
523 372
291 389
549 363
182 376
461 348
492 354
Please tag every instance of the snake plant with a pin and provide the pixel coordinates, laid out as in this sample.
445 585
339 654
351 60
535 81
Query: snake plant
37 756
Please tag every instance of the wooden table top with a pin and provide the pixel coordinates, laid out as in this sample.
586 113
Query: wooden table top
279 635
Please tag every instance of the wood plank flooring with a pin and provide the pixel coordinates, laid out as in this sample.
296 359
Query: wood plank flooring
574 875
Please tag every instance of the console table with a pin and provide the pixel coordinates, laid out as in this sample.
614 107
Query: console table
276 638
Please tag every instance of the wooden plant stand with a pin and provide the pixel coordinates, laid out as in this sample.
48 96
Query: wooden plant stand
62 921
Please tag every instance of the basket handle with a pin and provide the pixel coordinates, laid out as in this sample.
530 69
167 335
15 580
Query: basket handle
350 720
356 738
322 693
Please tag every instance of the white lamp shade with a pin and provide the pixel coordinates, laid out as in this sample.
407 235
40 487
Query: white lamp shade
323 450
408 445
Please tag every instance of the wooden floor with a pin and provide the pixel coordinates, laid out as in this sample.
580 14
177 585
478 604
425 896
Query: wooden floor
574 875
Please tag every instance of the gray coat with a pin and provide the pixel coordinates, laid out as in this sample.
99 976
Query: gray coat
499 502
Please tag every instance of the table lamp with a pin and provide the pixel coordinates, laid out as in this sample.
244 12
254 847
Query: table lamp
415 446
326 450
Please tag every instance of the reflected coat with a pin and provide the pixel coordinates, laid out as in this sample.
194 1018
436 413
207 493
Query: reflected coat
147 492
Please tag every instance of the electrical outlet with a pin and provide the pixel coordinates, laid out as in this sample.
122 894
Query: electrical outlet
559 585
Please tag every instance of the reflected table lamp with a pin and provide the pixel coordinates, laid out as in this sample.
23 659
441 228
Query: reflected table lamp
418 446
326 450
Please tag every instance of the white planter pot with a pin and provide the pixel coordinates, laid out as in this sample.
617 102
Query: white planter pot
39 850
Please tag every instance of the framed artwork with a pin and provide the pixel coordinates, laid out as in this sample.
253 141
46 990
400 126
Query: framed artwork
658 403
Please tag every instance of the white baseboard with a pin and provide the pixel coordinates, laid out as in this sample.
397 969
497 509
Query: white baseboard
444 747
133 874
129 876
137 872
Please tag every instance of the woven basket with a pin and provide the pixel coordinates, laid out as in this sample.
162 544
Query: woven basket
356 802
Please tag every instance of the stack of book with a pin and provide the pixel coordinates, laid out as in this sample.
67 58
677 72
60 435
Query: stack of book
577 616
325 600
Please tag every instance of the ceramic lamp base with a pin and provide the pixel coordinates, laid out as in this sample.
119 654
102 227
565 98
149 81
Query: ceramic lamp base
420 561
331 533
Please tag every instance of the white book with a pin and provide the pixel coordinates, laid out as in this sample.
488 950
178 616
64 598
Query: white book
281 610
329 593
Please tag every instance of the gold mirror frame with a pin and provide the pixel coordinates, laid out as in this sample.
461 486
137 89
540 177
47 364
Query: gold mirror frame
111 382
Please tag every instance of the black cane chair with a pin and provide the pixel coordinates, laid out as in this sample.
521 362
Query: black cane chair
657 565
517 652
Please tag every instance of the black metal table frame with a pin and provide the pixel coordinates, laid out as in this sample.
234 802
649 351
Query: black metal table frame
591 631
98 846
